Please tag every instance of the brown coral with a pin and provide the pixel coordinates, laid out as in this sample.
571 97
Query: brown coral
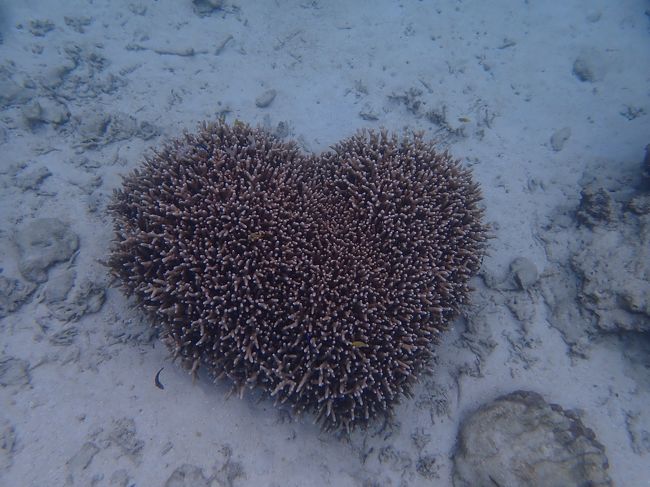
322 280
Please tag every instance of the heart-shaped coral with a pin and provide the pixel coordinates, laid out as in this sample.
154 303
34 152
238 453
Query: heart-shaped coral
322 280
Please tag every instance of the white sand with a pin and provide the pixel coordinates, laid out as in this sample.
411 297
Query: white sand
503 74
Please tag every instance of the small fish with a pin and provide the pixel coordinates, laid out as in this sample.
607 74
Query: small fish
464 119
359 344
157 379
253 237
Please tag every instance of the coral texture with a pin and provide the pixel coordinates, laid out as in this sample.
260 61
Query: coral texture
323 280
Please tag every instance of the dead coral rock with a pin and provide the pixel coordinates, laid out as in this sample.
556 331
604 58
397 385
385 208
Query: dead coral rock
88 297
613 267
95 130
598 281
596 207
521 440
639 205
13 293
41 244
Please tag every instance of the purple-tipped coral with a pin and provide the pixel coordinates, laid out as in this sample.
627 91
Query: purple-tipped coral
323 280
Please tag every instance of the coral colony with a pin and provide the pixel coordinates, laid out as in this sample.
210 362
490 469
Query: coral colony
323 280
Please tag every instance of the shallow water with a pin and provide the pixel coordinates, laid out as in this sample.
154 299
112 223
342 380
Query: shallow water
546 103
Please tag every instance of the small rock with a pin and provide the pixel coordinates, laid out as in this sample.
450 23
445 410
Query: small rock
64 337
589 66
46 110
13 293
524 272
265 99
281 130
187 476
13 92
521 440
33 113
521 306
583 71
559 138
13 371
640 205
32 179
427 467
39 28
123 435
594 16
58 286
119 478
229 472
83 457
138 8
147 130
41 244
369 114
98 129
639 433
53 76
635 300
632 112
206 7
78 23
87 298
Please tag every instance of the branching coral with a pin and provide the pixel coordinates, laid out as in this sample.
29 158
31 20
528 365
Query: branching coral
323 280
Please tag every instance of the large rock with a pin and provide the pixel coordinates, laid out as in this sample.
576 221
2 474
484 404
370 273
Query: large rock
521 440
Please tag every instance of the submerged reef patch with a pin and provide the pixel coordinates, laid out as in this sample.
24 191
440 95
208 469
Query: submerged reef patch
323 280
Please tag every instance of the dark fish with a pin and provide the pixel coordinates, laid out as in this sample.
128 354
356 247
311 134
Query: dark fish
157 379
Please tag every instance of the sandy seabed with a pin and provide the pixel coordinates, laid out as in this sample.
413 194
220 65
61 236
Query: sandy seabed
547 103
